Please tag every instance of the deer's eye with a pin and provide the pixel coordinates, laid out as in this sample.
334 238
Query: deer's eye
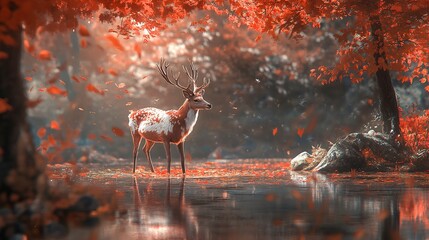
196 100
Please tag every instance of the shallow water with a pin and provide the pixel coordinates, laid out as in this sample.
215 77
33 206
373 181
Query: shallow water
287 205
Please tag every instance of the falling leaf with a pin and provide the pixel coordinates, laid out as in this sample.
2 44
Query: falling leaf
55 125
118 132
92 88
28 46
300 132
54 90
112 72
3 55
115 42
120 85
83 31
92 136
76 79
41 132
4 106
138 50
275 131
107 138
34 103
83 43
45 55
427 88
28 78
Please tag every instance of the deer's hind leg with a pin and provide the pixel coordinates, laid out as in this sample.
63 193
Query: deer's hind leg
147 147
136 143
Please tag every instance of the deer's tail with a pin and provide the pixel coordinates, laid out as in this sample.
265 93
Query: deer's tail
132 122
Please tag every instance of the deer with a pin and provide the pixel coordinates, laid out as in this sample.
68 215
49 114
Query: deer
172 126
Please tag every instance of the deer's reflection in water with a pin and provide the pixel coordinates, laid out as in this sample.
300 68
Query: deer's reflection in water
162 213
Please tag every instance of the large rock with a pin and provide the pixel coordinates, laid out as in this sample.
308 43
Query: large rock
364 152
301 161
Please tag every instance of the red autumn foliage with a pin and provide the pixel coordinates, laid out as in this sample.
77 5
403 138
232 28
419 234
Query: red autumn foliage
415 130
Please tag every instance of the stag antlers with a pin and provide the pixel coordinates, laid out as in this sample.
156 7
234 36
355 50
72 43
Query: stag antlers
192 73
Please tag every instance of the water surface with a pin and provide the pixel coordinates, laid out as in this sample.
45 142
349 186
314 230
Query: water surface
246 199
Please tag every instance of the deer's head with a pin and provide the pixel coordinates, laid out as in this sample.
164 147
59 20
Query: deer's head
191 92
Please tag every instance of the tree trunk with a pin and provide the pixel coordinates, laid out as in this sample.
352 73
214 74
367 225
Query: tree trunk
21 169
388 104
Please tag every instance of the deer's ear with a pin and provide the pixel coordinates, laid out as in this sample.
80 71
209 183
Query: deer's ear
202 91
188 94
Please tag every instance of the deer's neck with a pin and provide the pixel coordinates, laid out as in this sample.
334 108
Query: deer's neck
188 114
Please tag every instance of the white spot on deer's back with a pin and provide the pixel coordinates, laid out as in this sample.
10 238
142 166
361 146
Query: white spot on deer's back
156 120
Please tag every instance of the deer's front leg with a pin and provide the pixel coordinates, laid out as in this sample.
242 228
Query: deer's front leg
168 155
181 147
